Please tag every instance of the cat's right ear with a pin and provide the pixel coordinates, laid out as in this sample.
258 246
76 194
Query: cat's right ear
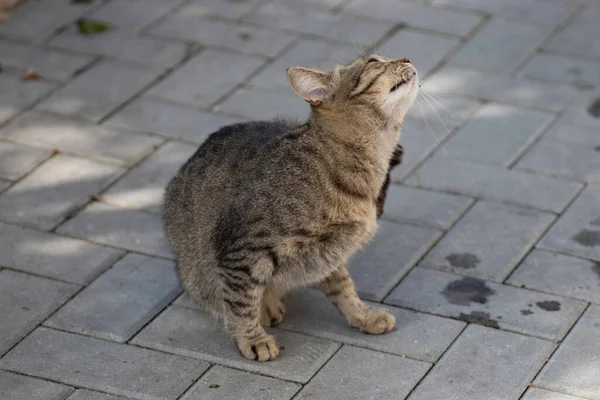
309 84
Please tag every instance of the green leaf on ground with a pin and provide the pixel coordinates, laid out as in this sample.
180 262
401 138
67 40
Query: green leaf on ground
90 27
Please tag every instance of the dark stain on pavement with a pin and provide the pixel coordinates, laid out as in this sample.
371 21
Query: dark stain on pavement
479 317
596 268
594 109
549 305
463 260
467 290
526 312
587 238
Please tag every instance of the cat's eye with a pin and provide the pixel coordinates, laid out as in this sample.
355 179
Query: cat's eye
370 60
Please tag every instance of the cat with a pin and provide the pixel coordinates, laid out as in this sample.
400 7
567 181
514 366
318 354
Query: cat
265 207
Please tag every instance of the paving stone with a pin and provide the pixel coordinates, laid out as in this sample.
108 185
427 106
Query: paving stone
541 394
170 120
4 185
51 64
52 255
38 19
17 160
19 387
239 385
572 368
501 45
220 72
490 182
143 187
529 12
488 241
577 232
307 53
420 336
559 274
433 209
584 112
194 334
92 96
257 103
518 91
128 229
500 369
58 187
416 15
101 365
341 27
578 37
123 46
15 94
565 131
232 35
497 134
133 15
79 137
424 51
563 69
25 301
323 4
487 303
89 395
121 301
229 10
355 373
383 262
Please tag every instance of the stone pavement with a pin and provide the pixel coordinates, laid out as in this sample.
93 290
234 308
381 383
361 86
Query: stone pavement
488 255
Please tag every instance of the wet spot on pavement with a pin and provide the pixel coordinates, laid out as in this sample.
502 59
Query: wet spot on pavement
526 312
479 317
587 238
467 290
463 260
594 109
550 305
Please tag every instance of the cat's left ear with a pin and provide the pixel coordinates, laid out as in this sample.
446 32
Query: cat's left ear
309 84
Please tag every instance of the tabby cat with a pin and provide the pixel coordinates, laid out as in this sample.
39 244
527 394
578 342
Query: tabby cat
265 207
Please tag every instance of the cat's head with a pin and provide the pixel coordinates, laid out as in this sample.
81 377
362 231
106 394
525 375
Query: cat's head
386 87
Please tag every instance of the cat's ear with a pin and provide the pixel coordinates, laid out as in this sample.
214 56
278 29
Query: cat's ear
309 84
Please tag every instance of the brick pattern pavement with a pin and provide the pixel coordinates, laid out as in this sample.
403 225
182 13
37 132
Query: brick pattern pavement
488 254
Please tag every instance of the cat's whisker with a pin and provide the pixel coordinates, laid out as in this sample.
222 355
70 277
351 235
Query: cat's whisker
436 113
427 122
438 102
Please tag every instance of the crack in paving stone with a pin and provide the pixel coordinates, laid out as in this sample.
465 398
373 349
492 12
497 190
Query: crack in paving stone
479 317
466 290
463 260
587 238
549 305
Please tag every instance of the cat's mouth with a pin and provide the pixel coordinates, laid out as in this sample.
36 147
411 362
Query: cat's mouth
396 86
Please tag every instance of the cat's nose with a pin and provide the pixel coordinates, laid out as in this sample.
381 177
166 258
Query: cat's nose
405 60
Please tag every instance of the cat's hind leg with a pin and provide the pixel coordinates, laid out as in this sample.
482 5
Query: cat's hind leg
272 309
340 290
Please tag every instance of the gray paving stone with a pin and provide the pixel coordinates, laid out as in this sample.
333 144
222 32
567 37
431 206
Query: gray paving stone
572 368
424 51
488 241
25 301
52 255
501 45
421 336
383 262
19 387
128 229
194 334
143 187
536 12
239 385
497 134
433 209
229 10
233 35
563 160
15 94
51 64
170 120
4 184
541 394
583 112
79 137
490 182
220 72
487 303
341 27
122 45
578 38
571 133
258 103
559 274
122 300
91 95
416 15
577 232
16 160
58 187
355 373
101 365
38 19
133 15
466 81
563 69
307 53
83 394
485 363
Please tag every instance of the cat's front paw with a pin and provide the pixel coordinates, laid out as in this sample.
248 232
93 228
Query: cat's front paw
377 321
264 348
